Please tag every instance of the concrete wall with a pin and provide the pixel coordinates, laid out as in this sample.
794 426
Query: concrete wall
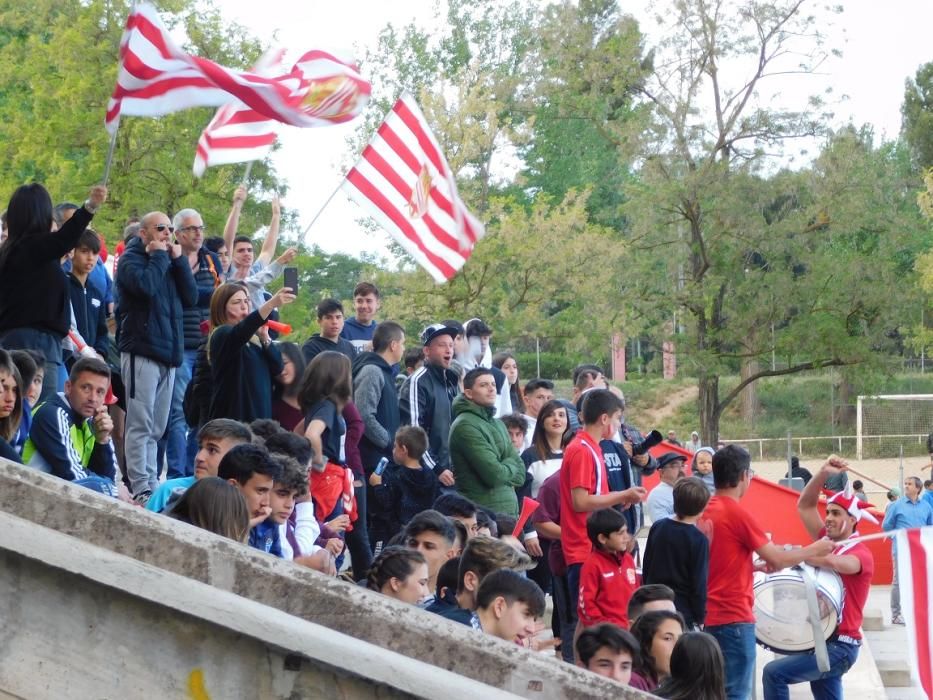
334 604
68 632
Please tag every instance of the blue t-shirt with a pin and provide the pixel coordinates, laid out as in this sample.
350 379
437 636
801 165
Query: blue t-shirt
160 497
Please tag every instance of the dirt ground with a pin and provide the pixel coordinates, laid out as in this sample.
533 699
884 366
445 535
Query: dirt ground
885 471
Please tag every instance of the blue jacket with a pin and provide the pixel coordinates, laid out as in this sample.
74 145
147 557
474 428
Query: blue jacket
265 536
153 291
90 310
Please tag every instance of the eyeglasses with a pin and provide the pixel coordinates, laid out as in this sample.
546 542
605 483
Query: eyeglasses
192 229
161 227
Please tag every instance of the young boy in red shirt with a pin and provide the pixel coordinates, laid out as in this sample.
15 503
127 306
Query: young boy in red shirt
583 484
607 578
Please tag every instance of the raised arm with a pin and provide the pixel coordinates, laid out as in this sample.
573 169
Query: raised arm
272 237
233 220
810 496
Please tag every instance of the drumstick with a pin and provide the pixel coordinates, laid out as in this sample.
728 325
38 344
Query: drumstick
872 536
868 478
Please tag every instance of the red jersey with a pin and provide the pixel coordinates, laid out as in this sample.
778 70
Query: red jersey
607 581
733 538
855 587
582 467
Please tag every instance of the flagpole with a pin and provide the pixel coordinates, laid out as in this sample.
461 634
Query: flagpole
113 144
323 206
249 168
868 478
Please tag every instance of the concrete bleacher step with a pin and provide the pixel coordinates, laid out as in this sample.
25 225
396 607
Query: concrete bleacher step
895 674
873 620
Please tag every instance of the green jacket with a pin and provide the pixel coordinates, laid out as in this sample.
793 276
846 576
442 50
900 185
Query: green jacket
485 464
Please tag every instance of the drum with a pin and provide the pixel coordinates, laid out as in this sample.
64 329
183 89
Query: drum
782 622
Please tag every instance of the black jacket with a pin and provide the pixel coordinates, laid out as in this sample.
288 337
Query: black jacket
33 290
424 400
153 290
315 345
376 397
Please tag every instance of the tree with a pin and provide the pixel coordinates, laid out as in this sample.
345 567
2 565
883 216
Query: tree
917 116
755 264
58 63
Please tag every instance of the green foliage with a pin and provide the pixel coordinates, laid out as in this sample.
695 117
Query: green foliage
917 116
58 63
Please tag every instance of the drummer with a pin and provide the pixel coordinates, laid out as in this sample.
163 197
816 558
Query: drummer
854 564
734 537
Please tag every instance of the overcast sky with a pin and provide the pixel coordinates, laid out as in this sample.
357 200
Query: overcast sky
882 45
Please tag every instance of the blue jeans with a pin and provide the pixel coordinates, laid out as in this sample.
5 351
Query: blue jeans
800 668
50 345
176 433
566 615
737 642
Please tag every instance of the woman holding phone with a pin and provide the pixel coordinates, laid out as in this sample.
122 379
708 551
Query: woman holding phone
244 362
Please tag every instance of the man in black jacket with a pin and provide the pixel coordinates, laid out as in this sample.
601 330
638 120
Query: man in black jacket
426 395
155 285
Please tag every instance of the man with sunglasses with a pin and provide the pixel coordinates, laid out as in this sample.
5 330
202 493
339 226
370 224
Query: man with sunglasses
155 285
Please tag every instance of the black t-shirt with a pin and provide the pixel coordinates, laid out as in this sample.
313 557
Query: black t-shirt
335 428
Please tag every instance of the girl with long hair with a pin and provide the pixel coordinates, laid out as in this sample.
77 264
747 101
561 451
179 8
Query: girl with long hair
213 504
506 362
657 632
400 573
551 435
244 361
11 405
286 408
35 308
697 670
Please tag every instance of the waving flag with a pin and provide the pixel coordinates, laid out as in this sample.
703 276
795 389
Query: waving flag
237 133
403 180
157 77
915 576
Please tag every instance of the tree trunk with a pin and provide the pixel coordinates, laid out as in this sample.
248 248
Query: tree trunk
709 409
749 395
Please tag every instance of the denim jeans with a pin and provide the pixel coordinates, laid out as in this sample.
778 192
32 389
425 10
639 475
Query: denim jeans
566 615
737 642
800 668
176 433
50 345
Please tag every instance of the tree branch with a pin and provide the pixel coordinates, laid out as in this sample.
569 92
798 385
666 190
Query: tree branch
794 369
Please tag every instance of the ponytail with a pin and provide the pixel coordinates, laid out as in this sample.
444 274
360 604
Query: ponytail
392 562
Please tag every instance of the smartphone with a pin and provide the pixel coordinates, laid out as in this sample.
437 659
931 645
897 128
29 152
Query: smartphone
291 278
381 467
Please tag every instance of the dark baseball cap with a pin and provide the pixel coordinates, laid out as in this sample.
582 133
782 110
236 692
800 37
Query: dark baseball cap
435 330
669 457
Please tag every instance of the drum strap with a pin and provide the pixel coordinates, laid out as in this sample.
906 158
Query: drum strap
819 642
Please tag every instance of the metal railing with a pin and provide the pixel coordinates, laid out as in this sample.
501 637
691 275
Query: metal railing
876 446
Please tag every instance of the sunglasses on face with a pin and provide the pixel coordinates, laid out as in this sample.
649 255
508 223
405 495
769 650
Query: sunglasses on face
162 227
191 229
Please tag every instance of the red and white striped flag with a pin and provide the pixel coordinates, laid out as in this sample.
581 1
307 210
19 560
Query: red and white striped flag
335 93
915 578
157 77
403 180
238 133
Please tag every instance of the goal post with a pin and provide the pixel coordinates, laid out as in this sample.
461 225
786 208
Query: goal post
884 423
